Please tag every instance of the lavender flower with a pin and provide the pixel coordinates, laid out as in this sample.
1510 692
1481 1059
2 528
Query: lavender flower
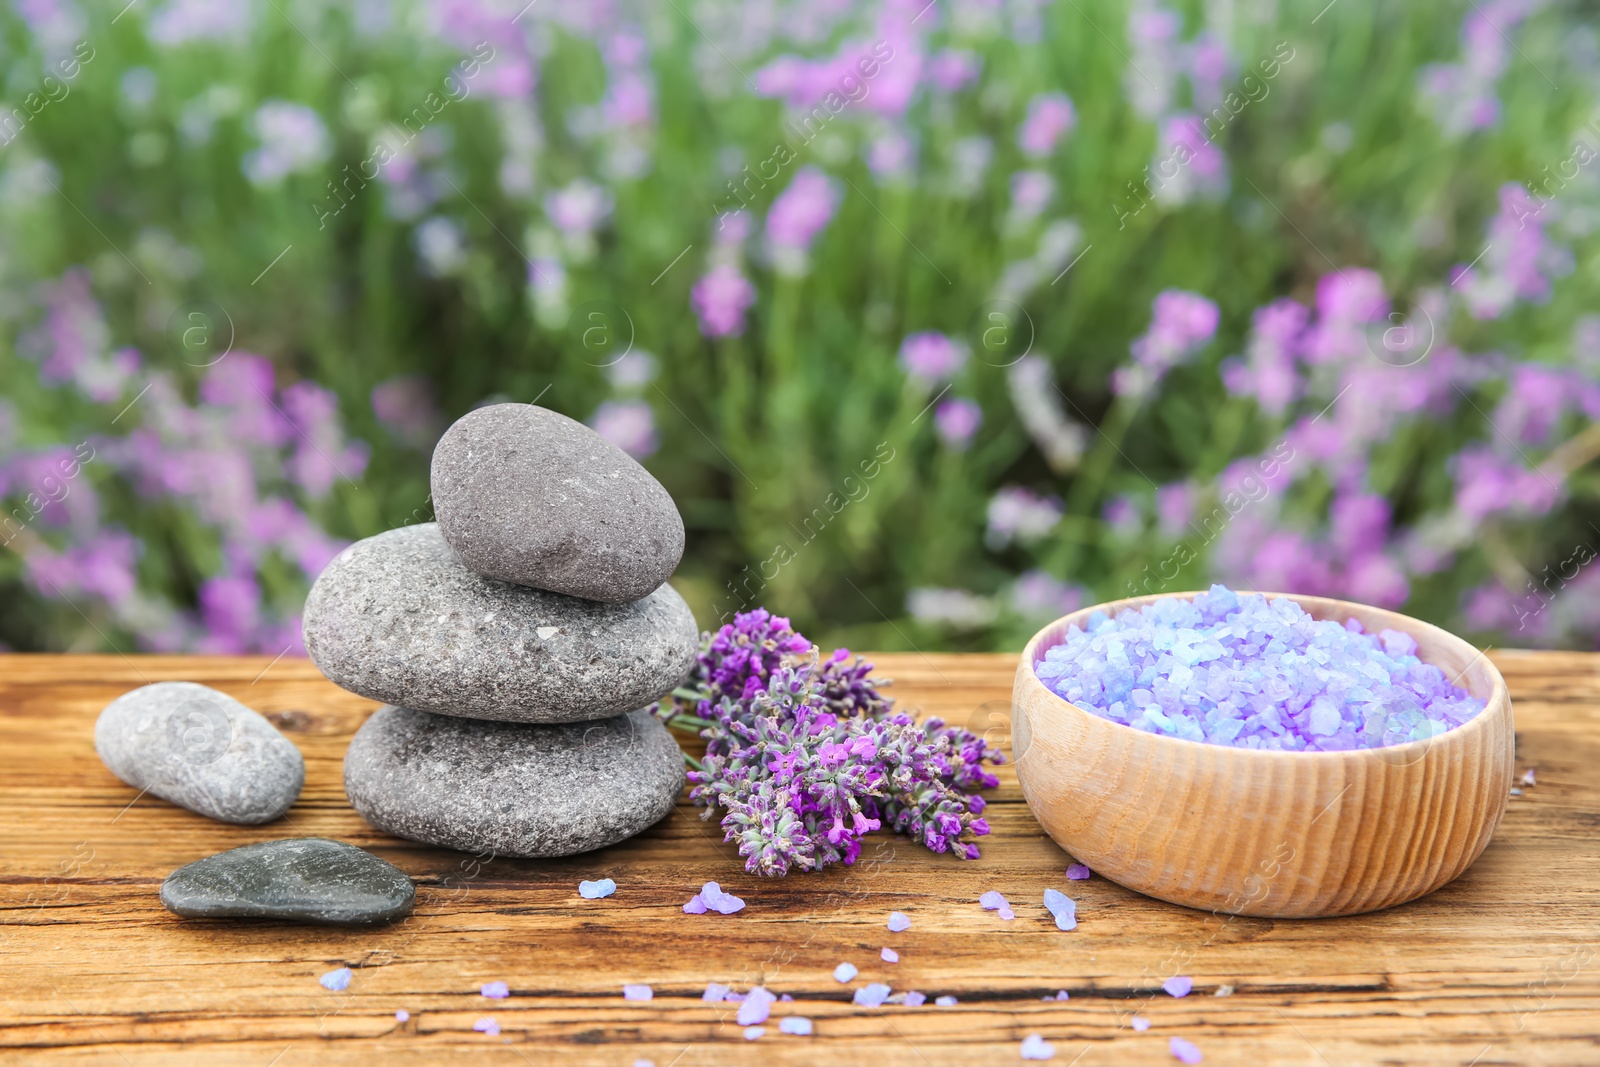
797 216
1018 514
930 356
1180 325
1050 117
720 300
805 757
957 419
293 139
628 424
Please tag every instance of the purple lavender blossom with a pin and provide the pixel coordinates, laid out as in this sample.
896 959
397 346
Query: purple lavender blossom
1270 373
1018 514
797 215
954 69
1181 323
1050 117
720 300
405 405
579 208
930 356
1038 594
293 139
956 420
628 424
805 757
1031 191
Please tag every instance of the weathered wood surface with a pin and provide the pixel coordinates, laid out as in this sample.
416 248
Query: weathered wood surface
1501 966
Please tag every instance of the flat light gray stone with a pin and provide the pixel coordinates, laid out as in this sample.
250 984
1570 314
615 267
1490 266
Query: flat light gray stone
512 789
397 618
304 879
530 496
202 750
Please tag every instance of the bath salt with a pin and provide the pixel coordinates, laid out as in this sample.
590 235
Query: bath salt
1238 669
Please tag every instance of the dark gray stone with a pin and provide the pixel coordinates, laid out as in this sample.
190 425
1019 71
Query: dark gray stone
307 879
397 618
512 789
527 495
202 750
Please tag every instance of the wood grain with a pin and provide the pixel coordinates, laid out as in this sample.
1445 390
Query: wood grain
1498 967
1272 834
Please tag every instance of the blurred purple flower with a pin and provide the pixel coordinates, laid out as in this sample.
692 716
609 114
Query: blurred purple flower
1270 373
1018 514
1122 515
890 156
1038 594
1174 507
957 419
628 424
181 21
720 299
405 406
954 69
1050 117
1487 484
1518 262
1187 163
293 139
1181 324
1031 190
1208 69
579 208
230 608
321 454
798 214
103 567
930 356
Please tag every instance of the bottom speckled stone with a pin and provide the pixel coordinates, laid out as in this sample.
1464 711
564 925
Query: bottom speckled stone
512 789
305 879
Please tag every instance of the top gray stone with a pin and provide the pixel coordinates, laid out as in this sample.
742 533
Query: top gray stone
202 750
529 496
397 618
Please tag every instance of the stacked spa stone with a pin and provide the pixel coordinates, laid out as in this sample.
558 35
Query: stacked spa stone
517 642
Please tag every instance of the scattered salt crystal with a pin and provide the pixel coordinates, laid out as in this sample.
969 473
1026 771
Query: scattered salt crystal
845 972
872 995
795 1024
991 901
1527 777
1063 907
595 890
336 981
494 990
402 1016
1035 1047
899 920
1062 994
1516 792
637 992
914 999
713 897
1006 913
1185 1051
756 1007
736 998
1140 1023
753 1033
785 999
1178 985
714 993
696 906
890 956
945 1001
1240 670
487 1025
1224 991
644 1063
1077 872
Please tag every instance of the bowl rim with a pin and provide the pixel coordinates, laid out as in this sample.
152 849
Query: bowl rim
1462 734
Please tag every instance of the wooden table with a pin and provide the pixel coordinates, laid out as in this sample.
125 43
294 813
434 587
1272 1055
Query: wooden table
1499 967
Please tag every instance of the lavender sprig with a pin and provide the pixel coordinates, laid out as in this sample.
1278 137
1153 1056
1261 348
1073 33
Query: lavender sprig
806 757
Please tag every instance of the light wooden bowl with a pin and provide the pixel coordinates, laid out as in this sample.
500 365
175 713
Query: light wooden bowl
1277 834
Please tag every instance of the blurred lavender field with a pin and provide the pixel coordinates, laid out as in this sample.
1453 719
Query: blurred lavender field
938 319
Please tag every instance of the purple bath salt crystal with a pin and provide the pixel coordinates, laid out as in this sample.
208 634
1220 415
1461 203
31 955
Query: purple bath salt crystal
899 920
1062 994
714 993
945 1001
1527 779
1140 1023
992 901
735 998
1241 670
637 992
1178 985
798 1025
336 981
1184 1051
756 1007
595 890
1006 913
753 1033
1035 1047
1077 872
890 956
696 905
872 995
495 990
915 999
487 1025
715 899
402 1016
845 972
1063 907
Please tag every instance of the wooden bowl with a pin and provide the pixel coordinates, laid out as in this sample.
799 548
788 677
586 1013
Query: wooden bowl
1252 832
